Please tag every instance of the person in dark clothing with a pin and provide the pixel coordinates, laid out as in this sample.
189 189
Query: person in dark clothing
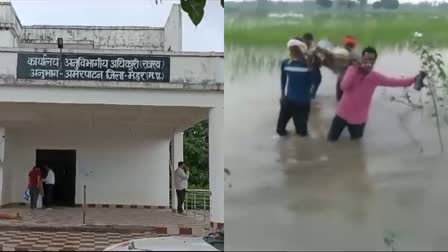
296 81
314 60
317 75
308 38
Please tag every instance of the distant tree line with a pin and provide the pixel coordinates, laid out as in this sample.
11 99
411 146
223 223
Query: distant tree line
264 7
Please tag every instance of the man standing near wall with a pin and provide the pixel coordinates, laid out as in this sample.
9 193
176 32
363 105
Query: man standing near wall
48 187
181 176
35 186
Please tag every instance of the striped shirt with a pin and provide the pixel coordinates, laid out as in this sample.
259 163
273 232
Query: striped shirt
296 80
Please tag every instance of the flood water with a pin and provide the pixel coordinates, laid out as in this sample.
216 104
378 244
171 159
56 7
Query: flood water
307 194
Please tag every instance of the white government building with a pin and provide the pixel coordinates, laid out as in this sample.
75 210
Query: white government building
104 109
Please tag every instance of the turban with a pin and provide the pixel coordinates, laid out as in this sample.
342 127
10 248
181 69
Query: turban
298 43
350 41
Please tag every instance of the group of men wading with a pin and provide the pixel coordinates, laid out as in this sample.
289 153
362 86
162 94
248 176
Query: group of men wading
356 83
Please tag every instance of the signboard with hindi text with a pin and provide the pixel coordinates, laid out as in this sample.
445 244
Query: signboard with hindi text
93 67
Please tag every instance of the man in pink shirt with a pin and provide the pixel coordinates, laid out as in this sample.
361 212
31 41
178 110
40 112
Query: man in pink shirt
358 85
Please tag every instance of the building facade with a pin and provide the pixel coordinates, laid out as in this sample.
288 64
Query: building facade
105 108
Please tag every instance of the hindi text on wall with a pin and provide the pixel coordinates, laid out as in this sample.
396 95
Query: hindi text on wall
93 67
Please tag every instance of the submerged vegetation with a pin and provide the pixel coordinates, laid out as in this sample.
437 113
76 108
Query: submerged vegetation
436 84
381 29
270 24
250 28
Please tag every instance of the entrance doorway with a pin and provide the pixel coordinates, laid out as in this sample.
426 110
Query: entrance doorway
63 164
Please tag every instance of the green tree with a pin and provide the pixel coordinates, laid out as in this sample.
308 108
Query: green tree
345 4
390 4
362 3
351 4
194 9
377 5
196 154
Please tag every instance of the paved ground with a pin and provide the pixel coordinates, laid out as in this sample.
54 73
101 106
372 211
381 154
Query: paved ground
308 194
63 241
106 227
103 216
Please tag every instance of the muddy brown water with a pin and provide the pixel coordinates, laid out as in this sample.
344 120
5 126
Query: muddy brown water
307 194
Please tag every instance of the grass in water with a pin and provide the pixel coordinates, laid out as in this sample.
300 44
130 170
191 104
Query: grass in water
381 29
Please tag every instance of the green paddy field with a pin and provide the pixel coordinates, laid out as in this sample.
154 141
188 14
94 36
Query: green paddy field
377 28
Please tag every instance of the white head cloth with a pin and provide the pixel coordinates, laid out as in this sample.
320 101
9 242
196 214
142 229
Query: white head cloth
298 43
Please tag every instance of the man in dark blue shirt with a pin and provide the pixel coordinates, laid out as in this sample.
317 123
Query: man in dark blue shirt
296 81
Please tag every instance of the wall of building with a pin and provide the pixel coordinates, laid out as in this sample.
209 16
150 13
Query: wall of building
62 95
94 37
118 166
2 157
67 45
8 66
8 16
10 26
216 164
203 71
7 38
173 30
102 37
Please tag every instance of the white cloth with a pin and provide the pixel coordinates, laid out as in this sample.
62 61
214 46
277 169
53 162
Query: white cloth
296 42
39 201
49 180
340 52
181 179
325 44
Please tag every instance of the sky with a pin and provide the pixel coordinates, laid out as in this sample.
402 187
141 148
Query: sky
208 36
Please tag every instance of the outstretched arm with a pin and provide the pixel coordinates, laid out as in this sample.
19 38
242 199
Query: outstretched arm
348 79
383 80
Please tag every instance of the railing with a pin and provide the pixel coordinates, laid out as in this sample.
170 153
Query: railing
197 202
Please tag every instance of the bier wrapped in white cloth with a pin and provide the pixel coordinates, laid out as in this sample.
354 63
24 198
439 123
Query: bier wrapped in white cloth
335 58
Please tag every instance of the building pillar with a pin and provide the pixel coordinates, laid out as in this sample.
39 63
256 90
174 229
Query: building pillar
216 166
178 155
2 159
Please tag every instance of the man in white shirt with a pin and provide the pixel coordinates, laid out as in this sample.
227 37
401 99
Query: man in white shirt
48 187
181 175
